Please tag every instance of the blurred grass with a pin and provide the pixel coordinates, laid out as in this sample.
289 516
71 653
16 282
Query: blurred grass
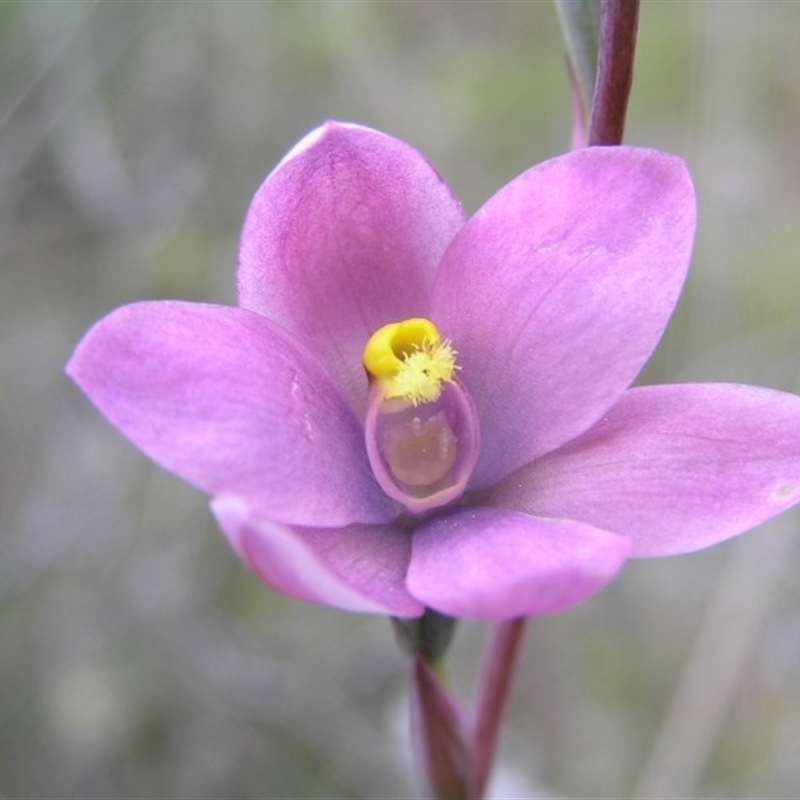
137 657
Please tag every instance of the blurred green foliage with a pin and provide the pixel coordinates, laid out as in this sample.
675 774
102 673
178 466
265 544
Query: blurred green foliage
138 658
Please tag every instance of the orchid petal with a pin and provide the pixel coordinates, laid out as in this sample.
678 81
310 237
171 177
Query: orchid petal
343 237
492 564
226 400
556 292
677 468
357 568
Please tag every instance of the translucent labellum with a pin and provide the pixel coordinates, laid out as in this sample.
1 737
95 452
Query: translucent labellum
421 427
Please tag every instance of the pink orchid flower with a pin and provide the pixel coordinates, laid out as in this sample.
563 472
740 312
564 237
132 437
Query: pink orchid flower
412 409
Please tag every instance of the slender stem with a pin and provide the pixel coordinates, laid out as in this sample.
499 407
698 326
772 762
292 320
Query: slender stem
618 23
439 735
495 683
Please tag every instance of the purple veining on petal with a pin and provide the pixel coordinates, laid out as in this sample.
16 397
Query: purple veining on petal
557 291
345 235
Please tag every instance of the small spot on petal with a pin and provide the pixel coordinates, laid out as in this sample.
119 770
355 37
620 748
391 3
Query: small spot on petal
295 388
784 492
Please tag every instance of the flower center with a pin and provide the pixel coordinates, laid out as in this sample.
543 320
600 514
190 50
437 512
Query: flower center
421 428
410 360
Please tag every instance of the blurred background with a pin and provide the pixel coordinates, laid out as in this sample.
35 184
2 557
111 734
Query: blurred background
138 658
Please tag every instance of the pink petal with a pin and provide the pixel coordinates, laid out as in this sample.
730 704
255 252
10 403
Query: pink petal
343 237
358 568
677 468
226 400
493 564
557 291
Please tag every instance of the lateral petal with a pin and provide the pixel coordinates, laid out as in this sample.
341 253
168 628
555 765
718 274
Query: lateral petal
556 292
229 402
677 468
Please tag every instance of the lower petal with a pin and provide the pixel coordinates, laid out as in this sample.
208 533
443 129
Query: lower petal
359 568
678 468
484 563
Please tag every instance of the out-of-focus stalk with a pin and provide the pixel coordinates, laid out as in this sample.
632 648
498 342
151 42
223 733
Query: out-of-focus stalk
580 20
494 685
439 736
619 21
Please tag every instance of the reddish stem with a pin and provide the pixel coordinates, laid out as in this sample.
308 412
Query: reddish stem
617 42
495 683
439 734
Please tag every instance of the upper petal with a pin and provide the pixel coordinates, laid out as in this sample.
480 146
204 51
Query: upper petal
677 468
226 400
358 568
491 564
343 237
556 292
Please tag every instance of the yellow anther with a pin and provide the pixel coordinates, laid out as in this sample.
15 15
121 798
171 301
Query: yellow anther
410 360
